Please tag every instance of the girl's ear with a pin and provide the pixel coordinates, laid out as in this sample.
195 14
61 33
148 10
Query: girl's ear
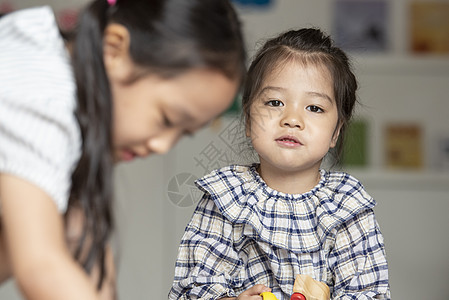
336 135
117 61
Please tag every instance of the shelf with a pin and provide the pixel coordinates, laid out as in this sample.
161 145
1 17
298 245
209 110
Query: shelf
400 64
391 179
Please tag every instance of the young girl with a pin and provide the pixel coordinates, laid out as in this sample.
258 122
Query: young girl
138 76
259 226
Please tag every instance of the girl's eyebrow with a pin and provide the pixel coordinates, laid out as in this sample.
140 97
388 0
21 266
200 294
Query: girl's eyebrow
281 89
181 114
321 95
268 88
274 88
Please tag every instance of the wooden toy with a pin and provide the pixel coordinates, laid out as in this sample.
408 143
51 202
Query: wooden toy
307 288
304 288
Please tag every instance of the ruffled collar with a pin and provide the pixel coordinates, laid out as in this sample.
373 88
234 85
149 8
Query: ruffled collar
297 222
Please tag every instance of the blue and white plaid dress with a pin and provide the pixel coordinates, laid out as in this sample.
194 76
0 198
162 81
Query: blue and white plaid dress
244 233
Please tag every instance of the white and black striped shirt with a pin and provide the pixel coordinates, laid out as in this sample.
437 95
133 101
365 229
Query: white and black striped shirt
39 136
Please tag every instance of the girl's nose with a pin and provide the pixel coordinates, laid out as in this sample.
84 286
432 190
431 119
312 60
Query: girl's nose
292 118
163 142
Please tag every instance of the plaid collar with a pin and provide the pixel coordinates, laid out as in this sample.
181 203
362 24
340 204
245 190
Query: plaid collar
297 222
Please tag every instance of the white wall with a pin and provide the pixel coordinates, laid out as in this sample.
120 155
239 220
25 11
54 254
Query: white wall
412 207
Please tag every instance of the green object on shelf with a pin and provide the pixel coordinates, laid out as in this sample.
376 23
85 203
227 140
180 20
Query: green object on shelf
235 108
355 152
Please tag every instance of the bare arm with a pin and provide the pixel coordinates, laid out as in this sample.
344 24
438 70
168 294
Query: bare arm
108 290
34 235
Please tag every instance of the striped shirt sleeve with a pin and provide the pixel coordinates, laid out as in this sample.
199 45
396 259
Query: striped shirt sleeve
358 261
40 140
206 262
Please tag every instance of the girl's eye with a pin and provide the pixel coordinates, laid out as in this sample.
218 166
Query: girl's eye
167 122
187 133
274 103
314 108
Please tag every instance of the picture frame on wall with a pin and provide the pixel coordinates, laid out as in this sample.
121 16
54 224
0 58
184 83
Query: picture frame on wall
362 26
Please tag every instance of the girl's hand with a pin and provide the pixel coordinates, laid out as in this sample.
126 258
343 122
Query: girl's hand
251 293
254 292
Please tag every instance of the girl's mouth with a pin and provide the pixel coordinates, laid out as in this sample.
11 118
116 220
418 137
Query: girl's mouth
127 155
288 141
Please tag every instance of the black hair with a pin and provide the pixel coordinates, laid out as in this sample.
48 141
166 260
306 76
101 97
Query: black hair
168 37
309 46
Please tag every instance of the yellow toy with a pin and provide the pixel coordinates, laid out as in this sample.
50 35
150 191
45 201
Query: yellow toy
268 296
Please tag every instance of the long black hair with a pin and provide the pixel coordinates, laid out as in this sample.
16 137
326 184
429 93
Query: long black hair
168 37
309 46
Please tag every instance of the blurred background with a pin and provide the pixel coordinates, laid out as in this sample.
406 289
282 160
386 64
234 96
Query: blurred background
399 147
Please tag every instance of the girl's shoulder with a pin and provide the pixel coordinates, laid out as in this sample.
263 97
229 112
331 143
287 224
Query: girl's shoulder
31 25
225 179
340 182
34 58
232 188
342 197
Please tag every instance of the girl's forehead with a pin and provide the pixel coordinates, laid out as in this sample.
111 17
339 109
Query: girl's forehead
278 69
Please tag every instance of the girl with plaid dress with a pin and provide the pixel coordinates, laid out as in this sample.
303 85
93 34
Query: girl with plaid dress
260 225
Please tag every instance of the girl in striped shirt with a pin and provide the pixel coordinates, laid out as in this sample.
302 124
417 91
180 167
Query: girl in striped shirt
137 76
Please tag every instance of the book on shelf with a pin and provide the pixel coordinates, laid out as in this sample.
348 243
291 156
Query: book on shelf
442 155
429 27
403 146
355 151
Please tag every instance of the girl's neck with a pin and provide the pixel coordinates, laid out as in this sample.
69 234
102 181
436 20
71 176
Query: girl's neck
289 182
